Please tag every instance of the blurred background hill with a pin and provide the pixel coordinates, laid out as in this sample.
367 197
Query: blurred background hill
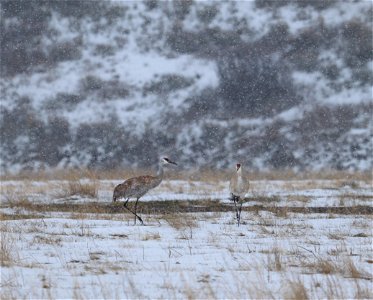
106 85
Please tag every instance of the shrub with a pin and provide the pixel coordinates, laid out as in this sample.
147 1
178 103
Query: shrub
167 83
209 42
104 50
77 187
28 139
317 4
254 85
358 40
202 105
305 47
207 13
57 136
151 4
252 81
103 89
181 8
64 101
275 40
100 144
62 51
20 43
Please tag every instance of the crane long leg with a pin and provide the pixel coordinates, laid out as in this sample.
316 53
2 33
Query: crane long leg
134 212
239 214
237 209
142 223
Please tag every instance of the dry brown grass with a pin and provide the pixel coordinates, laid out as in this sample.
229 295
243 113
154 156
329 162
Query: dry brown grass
349 183
296 291
263 198
209 175
165 210
278 266
282 213
23 202
6 217
49 240
356 197
79 188
8 251
323 266
83 184
345 267
181 222
151 236
336 236
301 198
362 293
350 270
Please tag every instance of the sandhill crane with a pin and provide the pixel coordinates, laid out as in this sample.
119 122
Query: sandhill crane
137 187
238 186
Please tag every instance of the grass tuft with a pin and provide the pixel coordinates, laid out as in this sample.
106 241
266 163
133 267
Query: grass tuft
78 188
296 291
8 252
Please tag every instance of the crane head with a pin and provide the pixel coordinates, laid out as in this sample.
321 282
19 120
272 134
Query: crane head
238 166
166 161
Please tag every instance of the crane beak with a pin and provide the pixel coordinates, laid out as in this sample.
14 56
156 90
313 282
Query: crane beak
171 162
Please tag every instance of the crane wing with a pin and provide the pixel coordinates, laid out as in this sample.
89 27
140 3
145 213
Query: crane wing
134 187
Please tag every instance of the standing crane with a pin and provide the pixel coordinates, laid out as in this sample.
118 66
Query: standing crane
137 187
238 186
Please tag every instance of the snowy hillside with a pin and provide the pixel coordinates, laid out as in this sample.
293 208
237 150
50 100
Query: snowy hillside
116 84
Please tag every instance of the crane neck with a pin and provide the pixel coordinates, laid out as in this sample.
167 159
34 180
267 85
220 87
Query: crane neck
160 171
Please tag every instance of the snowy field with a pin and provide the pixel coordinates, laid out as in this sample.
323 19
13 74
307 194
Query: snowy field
298 239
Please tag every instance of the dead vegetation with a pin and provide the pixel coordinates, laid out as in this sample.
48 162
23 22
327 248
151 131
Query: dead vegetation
151 236
296 290
267 219
85 185
184 223
49 240
8 251
275 260
79 188
343 178
178 206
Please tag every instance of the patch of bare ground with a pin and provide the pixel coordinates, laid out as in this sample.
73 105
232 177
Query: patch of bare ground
151 236
180 206
6 217
299 198
257 197
355 197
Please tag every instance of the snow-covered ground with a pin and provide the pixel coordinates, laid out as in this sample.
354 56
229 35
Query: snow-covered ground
53 254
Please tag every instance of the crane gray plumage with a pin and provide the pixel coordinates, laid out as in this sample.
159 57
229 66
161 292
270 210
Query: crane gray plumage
137 187
238 186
